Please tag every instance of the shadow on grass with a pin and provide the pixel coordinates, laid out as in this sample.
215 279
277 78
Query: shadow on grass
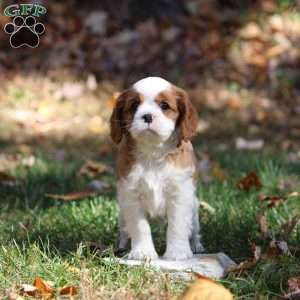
29 216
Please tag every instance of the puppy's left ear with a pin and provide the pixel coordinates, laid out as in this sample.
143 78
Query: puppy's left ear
188 117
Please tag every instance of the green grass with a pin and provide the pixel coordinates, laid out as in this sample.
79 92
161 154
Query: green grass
53 239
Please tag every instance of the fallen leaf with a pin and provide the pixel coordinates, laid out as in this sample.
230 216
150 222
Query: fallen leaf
204 288
44 287
272 201
294 283
293 288
244 266
72 196
29 290
249 181
250 263
93 169
7 179
263 224
275 249
69 290
275 51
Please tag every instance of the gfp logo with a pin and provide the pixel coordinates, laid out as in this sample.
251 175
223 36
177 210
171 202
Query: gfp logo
24 30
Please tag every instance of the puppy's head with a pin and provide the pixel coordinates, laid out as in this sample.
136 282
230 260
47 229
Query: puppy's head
153 109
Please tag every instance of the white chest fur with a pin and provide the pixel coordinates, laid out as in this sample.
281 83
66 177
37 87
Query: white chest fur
155 184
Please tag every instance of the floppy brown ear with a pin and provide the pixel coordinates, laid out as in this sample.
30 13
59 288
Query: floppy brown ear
188 116
116 120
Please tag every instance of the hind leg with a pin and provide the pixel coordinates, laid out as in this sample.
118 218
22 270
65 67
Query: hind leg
195 239
123 242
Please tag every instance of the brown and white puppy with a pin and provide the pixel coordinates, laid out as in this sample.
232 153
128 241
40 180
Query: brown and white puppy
152 123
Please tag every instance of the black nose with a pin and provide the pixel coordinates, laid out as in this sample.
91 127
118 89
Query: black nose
147 118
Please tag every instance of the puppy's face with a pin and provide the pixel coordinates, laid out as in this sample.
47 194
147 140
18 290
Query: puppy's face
153 109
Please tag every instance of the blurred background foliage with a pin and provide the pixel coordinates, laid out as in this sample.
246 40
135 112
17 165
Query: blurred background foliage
239 61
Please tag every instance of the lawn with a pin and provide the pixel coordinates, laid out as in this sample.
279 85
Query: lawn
66 241
239 61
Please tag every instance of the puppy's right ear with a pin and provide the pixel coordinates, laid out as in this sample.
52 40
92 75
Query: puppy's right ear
117 120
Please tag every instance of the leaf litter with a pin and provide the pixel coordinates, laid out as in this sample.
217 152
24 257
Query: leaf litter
41 289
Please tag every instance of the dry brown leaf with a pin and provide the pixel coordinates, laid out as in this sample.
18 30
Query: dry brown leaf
275 249
294 283
204 288
250 181
29 290
263 224
275 51
7 179
272 201
244 266
46 290
258 60
271 254
293 288
93 169
72 196
248 264
69 290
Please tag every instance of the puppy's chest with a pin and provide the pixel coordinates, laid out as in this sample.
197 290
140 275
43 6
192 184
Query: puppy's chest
154 186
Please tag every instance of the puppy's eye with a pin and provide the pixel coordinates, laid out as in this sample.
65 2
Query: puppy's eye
164 105
134 105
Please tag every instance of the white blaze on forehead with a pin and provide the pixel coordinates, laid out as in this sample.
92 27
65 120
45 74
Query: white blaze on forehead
150 87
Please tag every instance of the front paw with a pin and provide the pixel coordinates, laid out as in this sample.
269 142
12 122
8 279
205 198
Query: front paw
178 253
142 253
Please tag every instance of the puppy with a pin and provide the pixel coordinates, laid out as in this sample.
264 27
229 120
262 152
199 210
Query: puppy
152 124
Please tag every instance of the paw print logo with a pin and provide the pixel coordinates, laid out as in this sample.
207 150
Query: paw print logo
24 32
